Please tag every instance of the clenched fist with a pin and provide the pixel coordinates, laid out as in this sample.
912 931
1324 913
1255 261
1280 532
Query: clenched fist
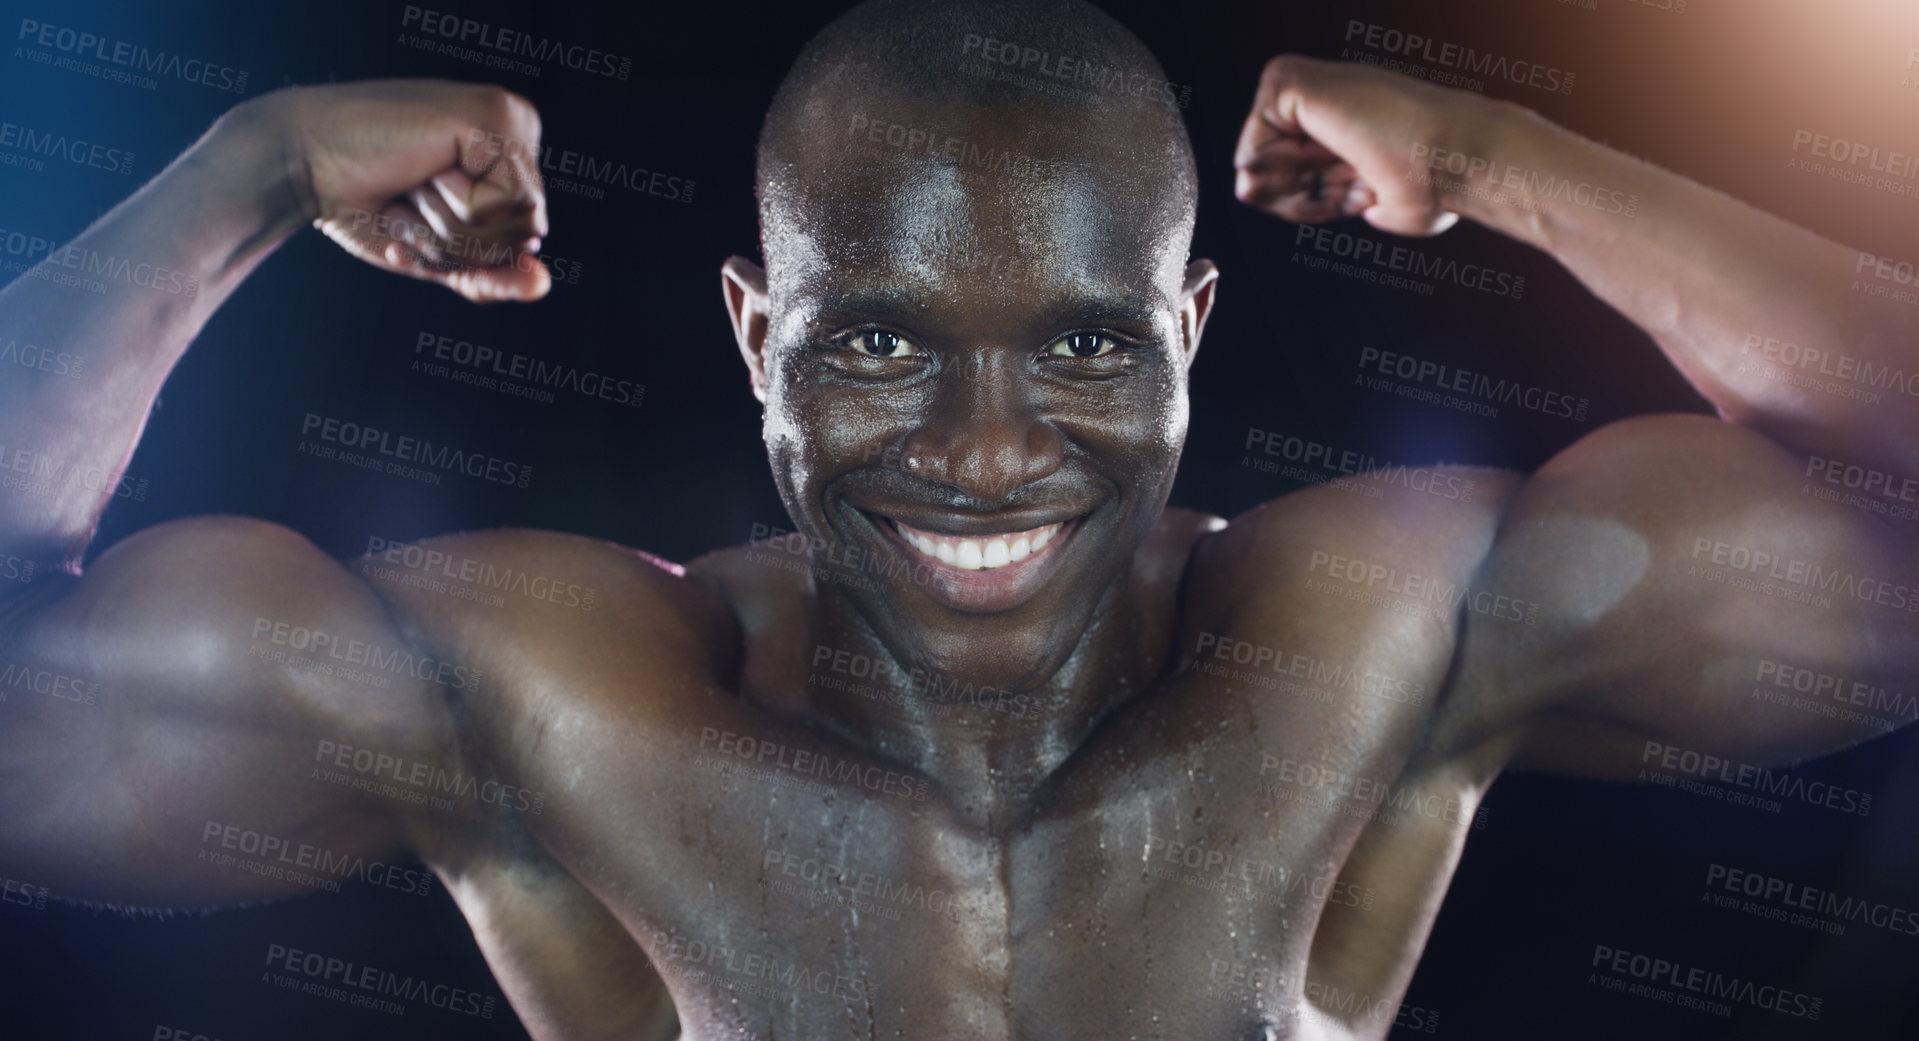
1335 139
428 178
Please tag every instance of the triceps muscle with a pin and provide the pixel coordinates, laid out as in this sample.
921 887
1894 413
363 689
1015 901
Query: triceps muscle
1686 567
203 714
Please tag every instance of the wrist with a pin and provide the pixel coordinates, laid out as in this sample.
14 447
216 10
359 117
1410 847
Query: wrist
1487 163
243 183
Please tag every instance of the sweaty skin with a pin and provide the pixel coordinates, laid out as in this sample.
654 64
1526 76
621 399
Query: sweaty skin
839 788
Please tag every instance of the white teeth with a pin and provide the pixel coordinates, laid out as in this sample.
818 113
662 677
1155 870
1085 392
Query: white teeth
969 555
979 553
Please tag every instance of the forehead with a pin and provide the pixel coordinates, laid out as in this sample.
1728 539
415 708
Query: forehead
973 209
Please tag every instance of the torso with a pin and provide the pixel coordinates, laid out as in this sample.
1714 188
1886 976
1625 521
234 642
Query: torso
1265 830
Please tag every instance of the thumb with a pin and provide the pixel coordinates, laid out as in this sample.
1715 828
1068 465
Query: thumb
1410 220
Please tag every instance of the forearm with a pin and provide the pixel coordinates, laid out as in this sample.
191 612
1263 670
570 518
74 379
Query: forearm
150 273
1760 315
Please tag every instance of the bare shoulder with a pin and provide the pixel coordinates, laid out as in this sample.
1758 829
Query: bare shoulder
1397 534
1355 593
518 569
539 610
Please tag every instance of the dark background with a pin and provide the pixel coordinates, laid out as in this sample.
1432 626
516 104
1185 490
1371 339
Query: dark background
1713 91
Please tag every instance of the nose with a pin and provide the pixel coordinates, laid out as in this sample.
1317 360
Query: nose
983 435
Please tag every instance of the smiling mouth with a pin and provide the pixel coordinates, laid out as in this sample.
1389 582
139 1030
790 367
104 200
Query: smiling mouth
988 571
978 552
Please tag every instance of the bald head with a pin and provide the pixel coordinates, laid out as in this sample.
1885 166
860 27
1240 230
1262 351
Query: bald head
1022 94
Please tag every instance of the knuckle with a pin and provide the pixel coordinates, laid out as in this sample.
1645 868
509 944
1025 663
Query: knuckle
523 114
1286 68
501 107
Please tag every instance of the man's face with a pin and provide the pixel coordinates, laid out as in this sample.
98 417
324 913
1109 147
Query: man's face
975 377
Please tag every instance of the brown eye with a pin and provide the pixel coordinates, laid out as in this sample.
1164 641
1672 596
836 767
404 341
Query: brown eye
1082 345
879 343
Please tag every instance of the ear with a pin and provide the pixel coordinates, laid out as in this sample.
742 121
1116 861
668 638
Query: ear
1196 303
744 284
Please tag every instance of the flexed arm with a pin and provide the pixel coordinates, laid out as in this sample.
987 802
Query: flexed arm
1680 564
186 688
1759 314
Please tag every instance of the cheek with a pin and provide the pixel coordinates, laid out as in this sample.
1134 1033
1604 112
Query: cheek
784 431
1145 424
814 432
1164 416
788 431
1171 408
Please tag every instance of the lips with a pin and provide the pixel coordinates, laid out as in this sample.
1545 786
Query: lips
981 572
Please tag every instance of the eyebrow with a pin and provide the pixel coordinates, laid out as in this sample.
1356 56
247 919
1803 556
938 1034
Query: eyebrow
1059 309
1066 310
903 302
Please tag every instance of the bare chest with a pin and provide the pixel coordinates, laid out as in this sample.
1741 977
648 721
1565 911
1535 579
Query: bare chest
1171 884
1206 864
